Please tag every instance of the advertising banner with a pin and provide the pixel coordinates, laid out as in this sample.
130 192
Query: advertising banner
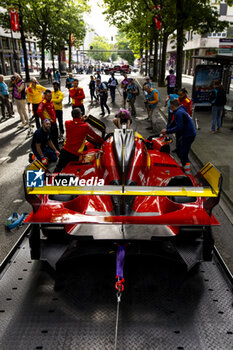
205 75
14 16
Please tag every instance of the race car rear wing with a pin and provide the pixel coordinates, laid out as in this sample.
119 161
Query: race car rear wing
45 211
96 123
209 177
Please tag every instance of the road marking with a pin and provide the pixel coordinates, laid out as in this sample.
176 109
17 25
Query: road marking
18 201
3 159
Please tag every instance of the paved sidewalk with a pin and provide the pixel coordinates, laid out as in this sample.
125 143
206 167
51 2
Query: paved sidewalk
215 148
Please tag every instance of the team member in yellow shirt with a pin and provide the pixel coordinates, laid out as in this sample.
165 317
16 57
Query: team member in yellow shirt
57 98
34 97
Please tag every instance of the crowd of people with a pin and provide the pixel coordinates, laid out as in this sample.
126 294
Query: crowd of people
47 108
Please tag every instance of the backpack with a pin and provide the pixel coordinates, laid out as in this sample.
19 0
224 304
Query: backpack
157 93
221 98
104 82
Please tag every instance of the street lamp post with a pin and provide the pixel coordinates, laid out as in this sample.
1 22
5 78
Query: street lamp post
15 56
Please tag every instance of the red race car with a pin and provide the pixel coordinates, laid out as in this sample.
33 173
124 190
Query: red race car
131 190
118 69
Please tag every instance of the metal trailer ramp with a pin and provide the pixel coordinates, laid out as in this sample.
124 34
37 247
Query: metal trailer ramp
162 308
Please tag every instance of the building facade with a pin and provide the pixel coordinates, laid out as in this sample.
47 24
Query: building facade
197 45
11 53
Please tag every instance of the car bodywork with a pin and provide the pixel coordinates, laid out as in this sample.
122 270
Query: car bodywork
125 69
146 198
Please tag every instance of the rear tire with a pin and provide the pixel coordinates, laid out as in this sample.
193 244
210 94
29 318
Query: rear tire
208 244
34 242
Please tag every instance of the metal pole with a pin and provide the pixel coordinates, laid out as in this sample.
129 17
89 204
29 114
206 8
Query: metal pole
15 56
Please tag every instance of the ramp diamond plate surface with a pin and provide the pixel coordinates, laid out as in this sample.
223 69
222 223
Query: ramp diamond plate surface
162 307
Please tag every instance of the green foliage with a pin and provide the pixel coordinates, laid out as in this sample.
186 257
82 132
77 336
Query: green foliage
51 22
100 43
124 44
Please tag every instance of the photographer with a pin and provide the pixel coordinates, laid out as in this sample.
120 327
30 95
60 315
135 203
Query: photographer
102 92
122 117
4 97
19 95
132 92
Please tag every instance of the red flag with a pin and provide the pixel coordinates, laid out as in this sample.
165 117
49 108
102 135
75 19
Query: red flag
14 19
72 40
158 23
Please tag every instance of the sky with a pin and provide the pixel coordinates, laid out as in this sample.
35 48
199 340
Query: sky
97 20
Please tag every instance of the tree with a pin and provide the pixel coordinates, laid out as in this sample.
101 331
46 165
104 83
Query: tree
136 20
124 44
68 29
100 43
51 20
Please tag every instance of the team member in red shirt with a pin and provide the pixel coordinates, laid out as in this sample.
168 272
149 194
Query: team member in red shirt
46 110
77 95
76 132
185 101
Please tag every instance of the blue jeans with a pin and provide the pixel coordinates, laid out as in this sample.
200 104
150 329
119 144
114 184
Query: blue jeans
112 93
48 153
216 115
92 92
103 103
183 147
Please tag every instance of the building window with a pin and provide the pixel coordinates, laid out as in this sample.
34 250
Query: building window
5 43
223 9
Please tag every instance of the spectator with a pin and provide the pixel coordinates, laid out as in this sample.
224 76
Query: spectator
112 83
169 98
218 101
132 91
182 125
92 89
149 83
34 97
122 117
57 98
49 74
76 132
42 145
171 82
185 101
4 97
19 95
97 75
77 95
46 110
102 92
124 85
57 77
69 85
152 101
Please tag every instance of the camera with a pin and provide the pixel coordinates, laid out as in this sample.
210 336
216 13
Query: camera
13 78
